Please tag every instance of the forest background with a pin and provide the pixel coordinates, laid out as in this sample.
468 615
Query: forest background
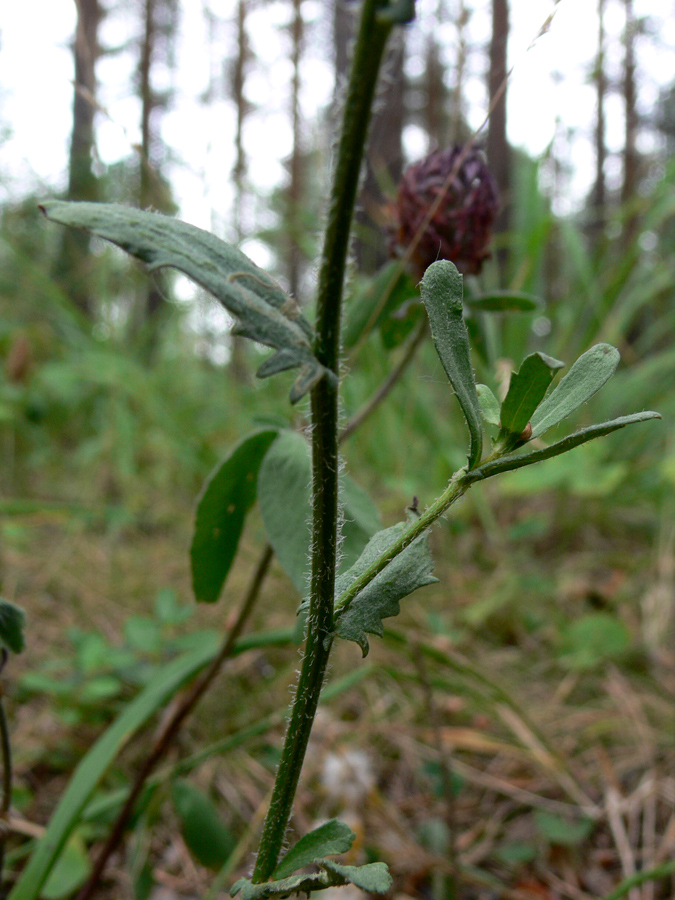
119 394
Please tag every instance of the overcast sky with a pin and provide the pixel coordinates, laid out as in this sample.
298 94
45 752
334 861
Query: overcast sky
548 91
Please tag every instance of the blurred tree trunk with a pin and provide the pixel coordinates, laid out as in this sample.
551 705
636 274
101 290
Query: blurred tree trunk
237 365
498 150
159 20
599 196
73 266
459 131
295 188
630 154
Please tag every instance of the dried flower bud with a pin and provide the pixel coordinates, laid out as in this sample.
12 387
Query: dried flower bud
461 227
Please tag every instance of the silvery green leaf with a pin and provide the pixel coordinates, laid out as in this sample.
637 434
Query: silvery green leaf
372 877
264 312
526 391
380 599
585 378
284 499
442 297
507 463
331 837
489 405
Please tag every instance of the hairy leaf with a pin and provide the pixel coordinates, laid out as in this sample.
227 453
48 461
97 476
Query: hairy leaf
228 495
442 297
585 378
264 312
373 877
331 837
507 463
12 621
526 391
380 599
284 498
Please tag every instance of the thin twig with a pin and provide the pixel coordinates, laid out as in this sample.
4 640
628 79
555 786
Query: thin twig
169 729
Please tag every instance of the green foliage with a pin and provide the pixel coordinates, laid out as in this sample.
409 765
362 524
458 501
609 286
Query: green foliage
409 570
226 499
264 312
205 834
442 296
330 838
12 621
593 639
284 499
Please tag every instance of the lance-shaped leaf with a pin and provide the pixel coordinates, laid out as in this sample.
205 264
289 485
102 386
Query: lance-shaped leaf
442 297
526 391
264 312
227 497
331 837
380 599
585 378
507 463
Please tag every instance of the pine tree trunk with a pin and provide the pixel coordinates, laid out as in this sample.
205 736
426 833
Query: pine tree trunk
74 263
498 150
599 197
630 154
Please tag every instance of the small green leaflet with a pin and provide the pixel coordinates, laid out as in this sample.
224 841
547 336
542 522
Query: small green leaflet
227 497
526 391
489 405
264 312
442 297
380 599
331 837
585 378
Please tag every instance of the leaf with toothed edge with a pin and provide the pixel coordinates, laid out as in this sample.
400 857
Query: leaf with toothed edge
380 599
442 296
372 877
264 312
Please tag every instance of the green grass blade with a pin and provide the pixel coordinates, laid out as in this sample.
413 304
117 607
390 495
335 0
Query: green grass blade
94 765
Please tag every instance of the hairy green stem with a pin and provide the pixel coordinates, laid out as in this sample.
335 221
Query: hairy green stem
368 53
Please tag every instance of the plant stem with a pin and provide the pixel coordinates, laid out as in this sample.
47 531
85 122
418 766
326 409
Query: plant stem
368 53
